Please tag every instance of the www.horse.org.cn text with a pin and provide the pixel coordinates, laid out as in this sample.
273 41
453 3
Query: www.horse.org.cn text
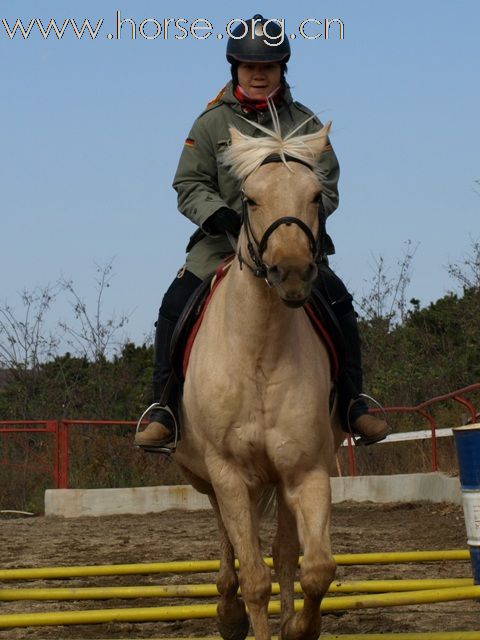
126 28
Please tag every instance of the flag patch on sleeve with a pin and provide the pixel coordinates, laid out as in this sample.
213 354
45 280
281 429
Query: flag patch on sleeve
190 142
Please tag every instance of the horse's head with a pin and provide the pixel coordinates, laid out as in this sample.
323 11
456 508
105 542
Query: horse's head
283 214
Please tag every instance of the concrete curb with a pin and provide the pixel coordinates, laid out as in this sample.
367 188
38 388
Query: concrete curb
411 487
414 487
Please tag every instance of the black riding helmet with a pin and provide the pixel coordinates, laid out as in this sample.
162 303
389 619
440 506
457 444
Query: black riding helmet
268 44
252 41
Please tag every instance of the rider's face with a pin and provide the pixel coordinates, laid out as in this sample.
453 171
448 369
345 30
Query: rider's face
259 79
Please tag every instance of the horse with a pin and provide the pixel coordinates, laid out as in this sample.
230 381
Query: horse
255 408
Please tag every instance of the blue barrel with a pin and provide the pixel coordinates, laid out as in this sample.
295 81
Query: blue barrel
475 559
467 442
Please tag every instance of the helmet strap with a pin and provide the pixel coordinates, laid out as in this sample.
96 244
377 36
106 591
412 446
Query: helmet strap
234 72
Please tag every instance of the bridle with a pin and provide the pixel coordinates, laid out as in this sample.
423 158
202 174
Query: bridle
256 249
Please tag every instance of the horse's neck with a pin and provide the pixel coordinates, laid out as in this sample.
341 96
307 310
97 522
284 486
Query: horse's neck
253 311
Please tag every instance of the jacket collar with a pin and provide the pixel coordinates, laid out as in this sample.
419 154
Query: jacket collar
229 98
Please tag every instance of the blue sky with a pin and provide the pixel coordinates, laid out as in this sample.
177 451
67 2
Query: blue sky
91 132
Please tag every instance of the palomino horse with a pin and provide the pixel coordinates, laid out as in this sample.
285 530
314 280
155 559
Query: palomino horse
256 394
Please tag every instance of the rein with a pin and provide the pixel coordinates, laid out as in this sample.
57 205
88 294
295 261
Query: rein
256 249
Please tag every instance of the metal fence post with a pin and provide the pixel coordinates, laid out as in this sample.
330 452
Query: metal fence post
52 426
352 470
433 427
63 455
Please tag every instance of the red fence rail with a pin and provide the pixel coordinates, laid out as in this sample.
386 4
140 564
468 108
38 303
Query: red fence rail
421 410
50 427
58 430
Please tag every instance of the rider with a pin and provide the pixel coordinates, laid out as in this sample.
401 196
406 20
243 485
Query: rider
210 196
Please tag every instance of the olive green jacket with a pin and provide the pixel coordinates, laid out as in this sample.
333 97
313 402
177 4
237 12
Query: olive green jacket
204 185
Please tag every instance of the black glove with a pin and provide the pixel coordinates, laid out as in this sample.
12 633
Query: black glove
223 220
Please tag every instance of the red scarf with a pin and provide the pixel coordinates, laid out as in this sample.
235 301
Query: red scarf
257 104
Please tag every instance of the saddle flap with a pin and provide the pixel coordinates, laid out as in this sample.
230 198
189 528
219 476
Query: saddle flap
190 320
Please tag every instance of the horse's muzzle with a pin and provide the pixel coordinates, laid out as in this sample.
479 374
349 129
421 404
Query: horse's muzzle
294 304
277 275
293 282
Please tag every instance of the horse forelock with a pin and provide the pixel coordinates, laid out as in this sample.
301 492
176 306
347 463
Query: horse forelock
247 153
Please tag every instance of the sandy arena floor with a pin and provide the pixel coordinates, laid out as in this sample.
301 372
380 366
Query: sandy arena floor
177 535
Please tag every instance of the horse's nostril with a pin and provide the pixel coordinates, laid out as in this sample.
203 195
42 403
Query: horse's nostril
310 273
275 274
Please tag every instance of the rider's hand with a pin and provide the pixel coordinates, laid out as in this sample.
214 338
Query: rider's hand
223 220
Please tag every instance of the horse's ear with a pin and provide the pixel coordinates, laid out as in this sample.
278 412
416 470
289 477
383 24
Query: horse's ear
235 135
318 144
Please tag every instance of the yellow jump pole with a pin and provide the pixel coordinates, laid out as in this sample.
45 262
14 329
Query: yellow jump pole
207 566
210 590
399 557
426 596
45 573
188 612
384 586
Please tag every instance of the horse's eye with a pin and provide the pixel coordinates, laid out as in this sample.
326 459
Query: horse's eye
250 201
317 198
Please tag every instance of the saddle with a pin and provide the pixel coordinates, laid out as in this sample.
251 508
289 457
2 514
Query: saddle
317 308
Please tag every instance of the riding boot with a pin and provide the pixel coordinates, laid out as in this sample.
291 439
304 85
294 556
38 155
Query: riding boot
353 409
161 428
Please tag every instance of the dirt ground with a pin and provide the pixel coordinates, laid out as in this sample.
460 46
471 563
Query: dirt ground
176 535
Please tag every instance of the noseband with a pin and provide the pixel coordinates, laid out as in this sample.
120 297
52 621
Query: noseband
257 249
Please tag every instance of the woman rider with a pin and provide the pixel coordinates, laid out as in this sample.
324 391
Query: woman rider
210 196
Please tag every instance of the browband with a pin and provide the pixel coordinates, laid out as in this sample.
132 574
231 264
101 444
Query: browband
276 157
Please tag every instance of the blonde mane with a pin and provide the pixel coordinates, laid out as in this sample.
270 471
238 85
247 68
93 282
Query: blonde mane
247 153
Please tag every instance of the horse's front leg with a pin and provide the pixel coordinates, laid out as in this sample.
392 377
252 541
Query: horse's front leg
233 623
309 498
239 516
285 556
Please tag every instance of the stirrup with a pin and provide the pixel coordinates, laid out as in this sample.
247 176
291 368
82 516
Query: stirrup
355 437
169 449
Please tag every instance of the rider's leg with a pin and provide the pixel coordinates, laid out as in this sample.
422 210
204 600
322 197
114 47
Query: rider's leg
370 428
161 427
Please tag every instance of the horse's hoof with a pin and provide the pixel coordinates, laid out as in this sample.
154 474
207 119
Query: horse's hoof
292 630
229 630
233 622
286 630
